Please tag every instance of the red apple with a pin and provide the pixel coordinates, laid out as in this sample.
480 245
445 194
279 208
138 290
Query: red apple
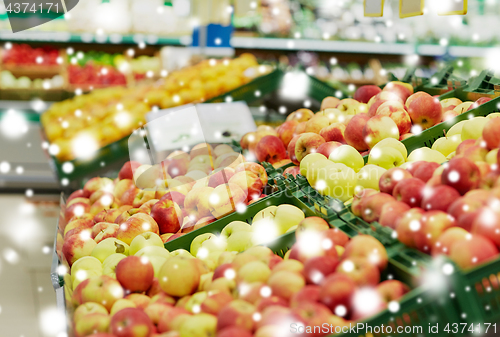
367 247
360 270
333 133
410 191
286 131
270 149
392 290
258 169
396 111
408 224
307 143
135 273
433 224
461 174
337 292
424 110
220 176
266 302
439 198
214 303
234 331
78 194
249 183
168 216
391 177
311 312
318 268
130 322
128 169
236 313
135 225
364 93
356 205
473 251
392 212
354 132
487 224
380 99
329 102
327 148
444 242
172 319
402 90
312 223
101 289
309 293
371 207
491 133
77 246
293 170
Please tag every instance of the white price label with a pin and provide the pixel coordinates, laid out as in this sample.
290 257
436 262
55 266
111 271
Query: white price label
374 8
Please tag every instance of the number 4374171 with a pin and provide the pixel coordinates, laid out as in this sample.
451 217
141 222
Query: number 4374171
26 7
464 327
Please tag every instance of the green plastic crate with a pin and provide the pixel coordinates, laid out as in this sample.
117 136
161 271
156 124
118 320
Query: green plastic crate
418 307
319 90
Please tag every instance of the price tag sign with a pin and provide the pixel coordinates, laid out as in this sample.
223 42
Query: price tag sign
408 8
374 8
452 7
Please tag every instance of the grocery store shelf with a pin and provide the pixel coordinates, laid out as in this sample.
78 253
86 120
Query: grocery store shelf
322 45
466 51
431 50
65 37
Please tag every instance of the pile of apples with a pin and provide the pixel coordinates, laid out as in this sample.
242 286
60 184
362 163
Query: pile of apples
251 293
238 236
96 76
373 115
107 115
449 209
182 194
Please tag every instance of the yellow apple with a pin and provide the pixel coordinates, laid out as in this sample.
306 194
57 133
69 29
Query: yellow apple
121 304
447 145
154 251
233 227
337 181
109 246
265 213
288 216
394 143
426 154
86 263
491 157
109 265
473 128
461 108
386 157
456 129
369 176
143 240
349 156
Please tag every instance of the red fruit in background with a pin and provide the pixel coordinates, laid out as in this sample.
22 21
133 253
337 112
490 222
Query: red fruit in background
337 290
425 171
135 273
293 170
473 251
413 166
487 224
309 293
318 268
78 194
432 225
465 210
270 149
360 270
130 322
392 290
408 224
220 271
479 102
371 207
461 174
327 148
354 132
391 212
439 198
391 177
364 93
263 303
491 133
234 331
128 169
338 237
444 242
465 145
424 110
409 191
367 247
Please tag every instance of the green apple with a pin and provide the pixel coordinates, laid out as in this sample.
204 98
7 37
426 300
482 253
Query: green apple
493 115
319 168
386 157
337 181
456 129
82 274
288 216
86 263
198 241
447 145
426 154
215 244
226 257
109 246
349 156
233 227
181 252
309 160
154 251
88 308
292 229
451 155
463 107
199 325
157 262
394 143
473 128
194 303
369 176
121 304
143 240
265 213
491 157
109 265
239 241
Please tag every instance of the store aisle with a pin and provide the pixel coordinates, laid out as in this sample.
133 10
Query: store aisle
27 298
